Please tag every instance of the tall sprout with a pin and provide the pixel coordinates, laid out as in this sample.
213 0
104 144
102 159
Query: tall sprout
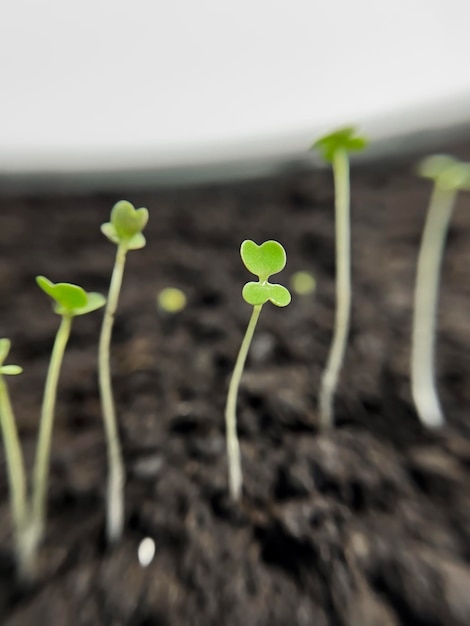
335 148
449 176
125 230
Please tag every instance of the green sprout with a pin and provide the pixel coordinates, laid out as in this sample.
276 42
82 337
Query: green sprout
125 230
263 261
15 464
69 301
335 148
449 176
303 283
171 300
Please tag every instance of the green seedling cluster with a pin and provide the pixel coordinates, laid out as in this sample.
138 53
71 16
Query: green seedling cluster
265 260
29 513
125 230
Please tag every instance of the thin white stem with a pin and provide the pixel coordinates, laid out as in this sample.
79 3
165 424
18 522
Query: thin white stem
116 476
423 384
233 447
43 450
330 377
17 481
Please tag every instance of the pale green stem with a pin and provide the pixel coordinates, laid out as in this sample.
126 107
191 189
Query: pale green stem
116 476
43 451
330 377
233 447
425 307
17 481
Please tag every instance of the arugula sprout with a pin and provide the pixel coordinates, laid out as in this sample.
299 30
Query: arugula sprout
263 261
125 230
449 176
69 301
335 148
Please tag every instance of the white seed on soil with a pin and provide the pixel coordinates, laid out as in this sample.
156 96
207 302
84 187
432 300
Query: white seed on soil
146 551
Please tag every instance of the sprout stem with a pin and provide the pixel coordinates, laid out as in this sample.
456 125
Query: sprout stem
343 288
17 481
115 489
41 466
425 306
233 446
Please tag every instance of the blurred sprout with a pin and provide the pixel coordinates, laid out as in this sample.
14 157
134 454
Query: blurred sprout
303 283
171 300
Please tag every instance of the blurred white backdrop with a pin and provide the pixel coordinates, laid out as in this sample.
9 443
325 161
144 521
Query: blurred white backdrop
111 84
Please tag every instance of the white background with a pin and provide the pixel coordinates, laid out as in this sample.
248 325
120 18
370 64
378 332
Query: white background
114 83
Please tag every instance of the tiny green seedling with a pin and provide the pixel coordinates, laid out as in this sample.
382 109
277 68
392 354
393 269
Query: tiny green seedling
449 176
29 516
263 261
171 300
125 230
69 301
335 148
14 463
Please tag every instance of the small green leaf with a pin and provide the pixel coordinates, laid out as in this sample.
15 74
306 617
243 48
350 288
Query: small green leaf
126 225
10 370
264 260
136 242
95 301
109 231
343 139
279 295
446 171
5 345
260 293
70 299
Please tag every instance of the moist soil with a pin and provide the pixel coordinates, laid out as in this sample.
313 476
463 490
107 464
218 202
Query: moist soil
365 525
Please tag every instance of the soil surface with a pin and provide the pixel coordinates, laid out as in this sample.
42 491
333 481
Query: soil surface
366 525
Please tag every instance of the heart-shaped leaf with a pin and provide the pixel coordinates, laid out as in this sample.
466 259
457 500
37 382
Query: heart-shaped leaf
343 139
70 299
260 293
264 260
126 225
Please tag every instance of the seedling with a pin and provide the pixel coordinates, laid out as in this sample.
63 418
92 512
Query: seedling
14 463
125 230
69 301
449 176
335 148
263 261
29 517
171 300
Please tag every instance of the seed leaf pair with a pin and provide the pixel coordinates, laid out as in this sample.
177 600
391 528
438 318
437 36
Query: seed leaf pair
345 139
126 225
446 171
70 299
263 261
7 370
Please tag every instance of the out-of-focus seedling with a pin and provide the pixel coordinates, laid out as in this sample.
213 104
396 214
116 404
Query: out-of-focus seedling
14 464
449 176
125 230
303 283
171 300
263 261
335 148
69 301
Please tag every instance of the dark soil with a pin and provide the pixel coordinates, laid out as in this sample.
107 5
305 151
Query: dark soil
368 525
